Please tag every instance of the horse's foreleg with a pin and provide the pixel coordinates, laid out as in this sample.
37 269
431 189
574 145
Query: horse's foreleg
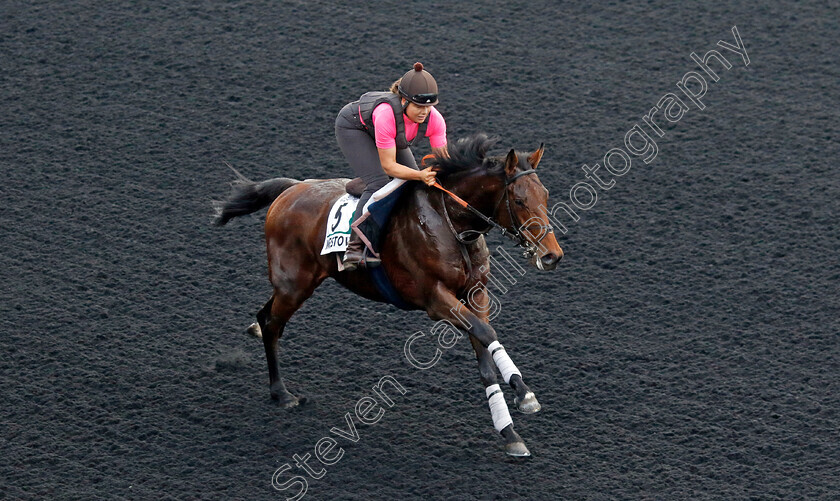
446 307
525 399
514 445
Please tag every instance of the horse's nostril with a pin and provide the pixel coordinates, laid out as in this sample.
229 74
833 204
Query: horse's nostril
549 259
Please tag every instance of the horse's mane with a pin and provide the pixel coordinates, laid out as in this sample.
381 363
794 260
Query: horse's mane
468 154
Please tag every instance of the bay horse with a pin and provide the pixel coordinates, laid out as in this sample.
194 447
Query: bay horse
433 251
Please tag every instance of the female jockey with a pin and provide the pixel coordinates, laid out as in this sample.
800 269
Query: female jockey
376 133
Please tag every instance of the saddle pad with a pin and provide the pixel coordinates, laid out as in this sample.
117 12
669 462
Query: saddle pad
338 224
383 192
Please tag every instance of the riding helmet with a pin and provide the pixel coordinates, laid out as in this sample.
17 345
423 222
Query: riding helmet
419 86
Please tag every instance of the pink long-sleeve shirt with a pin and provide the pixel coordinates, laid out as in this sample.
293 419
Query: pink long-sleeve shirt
386 127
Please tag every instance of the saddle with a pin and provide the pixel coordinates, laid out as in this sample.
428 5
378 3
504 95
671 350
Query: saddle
369 229
356 187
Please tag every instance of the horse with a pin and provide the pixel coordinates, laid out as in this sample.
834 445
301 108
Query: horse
433 252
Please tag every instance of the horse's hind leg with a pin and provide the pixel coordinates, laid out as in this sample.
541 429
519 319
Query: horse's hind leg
272 319
271 327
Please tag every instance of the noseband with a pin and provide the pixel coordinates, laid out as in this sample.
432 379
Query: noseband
545 229
514 233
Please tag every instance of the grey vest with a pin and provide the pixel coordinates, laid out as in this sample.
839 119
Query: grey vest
371 100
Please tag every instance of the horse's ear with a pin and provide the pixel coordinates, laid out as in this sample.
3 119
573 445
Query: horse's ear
535 157
511 162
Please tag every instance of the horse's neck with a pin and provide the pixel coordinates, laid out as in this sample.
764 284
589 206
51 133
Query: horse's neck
417 202
424 204
420 206
482 193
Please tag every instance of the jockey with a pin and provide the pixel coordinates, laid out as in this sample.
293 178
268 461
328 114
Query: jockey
376 133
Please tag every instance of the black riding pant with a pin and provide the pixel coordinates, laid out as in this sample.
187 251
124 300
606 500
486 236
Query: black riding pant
360 151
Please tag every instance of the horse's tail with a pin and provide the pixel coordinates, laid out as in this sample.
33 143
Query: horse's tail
248 196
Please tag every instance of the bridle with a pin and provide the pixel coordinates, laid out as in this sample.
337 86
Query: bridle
514 233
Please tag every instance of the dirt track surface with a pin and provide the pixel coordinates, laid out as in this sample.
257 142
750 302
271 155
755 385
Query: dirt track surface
686 347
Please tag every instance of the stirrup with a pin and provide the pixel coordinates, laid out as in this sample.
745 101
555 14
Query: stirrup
366 260
370 261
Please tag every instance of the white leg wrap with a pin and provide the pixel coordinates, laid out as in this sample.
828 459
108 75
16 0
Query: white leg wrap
498 407
503 361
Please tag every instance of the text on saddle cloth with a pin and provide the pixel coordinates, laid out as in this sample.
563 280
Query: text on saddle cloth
338 224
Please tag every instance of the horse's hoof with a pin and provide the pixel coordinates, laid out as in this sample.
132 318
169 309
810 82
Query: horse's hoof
286 401
290 402
517 449
254 330
528 405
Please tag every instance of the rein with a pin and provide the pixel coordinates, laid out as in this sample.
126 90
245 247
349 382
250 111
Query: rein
514 234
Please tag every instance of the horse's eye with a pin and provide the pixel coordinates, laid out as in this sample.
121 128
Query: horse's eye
519 202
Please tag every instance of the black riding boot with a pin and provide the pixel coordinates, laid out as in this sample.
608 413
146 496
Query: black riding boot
356 254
